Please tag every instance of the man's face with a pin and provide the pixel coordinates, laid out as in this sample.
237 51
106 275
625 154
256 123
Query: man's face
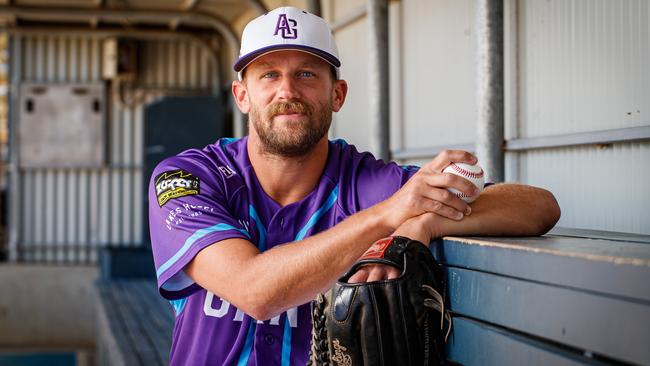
290 96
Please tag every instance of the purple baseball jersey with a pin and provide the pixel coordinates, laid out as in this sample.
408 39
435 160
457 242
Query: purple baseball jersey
201 197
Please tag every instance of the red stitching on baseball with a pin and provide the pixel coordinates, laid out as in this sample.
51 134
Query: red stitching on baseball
466 173
462 195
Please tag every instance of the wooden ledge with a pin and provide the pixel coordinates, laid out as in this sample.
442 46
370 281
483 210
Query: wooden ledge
614 251
556 297
613 267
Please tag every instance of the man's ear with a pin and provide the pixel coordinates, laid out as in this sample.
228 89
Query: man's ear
339 92
240 93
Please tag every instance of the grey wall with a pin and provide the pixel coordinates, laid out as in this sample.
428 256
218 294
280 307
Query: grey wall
64 215
576 66
47 306
582 66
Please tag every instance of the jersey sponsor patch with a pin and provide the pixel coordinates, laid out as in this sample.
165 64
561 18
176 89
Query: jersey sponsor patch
174 184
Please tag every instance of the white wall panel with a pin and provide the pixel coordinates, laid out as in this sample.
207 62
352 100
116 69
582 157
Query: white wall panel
584 65
432 74
60 205
92 237
102 211
82 237
579 66
597 188
37 221
27 199
352 123
115 206
78 210
49 209
439 72
395 38
341 9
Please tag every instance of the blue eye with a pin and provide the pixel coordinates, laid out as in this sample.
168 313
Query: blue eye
270 74
306 74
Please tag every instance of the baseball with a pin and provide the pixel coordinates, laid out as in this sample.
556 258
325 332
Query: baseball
473 173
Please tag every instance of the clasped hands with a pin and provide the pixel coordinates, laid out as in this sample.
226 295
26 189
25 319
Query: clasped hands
417 207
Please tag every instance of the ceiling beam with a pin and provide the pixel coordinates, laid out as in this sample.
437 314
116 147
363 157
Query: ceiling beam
121 16
188 5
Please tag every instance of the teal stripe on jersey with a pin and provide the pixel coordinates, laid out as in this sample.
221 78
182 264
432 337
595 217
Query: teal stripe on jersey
224 141
260 228
409 168
178 305
248 345
286 343
191 240
331 199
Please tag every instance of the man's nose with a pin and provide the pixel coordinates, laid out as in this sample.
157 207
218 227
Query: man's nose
288 89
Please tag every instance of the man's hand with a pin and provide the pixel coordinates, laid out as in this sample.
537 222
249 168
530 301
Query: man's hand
427 191
374 272
416 204
417 228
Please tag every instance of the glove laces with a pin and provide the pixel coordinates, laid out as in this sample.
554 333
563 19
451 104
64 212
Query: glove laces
319 354
437 303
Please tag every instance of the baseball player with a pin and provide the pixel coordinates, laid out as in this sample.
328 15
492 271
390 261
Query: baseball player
245 232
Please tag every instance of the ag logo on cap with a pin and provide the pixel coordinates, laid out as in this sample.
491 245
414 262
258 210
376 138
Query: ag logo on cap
174 184
283 26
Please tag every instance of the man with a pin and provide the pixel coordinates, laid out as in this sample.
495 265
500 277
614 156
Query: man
246 232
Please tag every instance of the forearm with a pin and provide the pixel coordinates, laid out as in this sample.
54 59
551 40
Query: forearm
505 210
311 265
287 275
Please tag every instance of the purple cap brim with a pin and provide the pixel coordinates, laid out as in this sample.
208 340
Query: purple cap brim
248 58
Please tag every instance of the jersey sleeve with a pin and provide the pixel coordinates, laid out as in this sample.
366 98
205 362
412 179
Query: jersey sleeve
378 181
367 181
189 209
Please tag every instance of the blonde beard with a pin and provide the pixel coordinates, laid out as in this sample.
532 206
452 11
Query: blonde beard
291 140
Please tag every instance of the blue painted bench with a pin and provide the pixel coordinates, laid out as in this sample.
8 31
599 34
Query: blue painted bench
570 297
567 298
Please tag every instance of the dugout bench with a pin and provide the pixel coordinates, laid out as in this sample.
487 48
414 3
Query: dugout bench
570 297
133 322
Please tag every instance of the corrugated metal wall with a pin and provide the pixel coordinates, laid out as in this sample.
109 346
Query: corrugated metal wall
597 188
571 67
64 215
583 66
432 66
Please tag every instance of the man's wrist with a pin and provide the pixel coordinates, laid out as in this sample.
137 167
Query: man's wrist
385 216
436 226
442 226
379 219
416 228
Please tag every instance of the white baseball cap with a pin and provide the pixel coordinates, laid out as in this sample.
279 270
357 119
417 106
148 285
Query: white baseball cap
287 28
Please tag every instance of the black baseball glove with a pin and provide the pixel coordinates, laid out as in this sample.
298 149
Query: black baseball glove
401 321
